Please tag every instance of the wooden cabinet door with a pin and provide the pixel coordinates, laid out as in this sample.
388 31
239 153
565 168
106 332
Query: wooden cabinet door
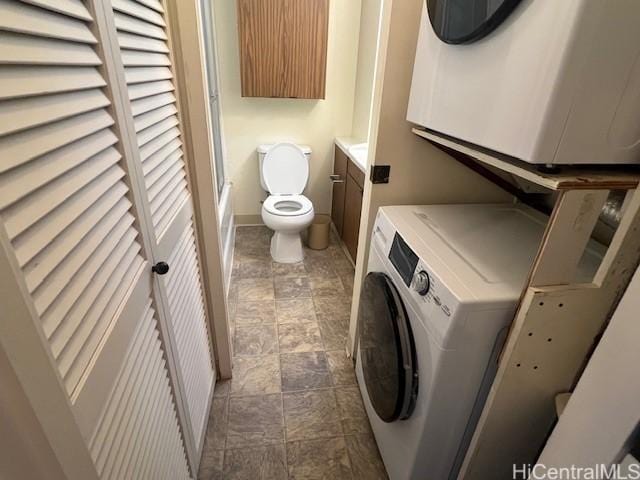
352 210
283 47
337 203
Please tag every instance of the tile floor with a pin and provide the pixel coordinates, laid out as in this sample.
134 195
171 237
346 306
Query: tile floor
293 409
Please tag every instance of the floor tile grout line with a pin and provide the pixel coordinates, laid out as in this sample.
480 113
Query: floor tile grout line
284 423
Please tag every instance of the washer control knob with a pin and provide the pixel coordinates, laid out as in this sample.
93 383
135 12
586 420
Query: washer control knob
421 282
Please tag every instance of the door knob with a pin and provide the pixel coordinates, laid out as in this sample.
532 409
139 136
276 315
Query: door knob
160 268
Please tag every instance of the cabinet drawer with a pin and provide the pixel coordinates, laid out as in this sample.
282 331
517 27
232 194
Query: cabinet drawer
356 173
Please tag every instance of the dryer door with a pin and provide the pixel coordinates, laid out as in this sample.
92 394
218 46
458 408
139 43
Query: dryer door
467 21
387 350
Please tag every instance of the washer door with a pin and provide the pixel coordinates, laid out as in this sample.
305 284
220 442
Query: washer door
467 21
387 350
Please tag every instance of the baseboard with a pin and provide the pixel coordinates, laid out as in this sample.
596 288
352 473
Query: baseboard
248 220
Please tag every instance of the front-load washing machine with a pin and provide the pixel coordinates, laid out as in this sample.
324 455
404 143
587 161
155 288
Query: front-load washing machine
442 286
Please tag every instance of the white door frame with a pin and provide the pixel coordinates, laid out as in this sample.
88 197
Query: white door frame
187 46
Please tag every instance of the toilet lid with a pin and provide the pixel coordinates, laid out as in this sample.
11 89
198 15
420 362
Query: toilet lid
285 169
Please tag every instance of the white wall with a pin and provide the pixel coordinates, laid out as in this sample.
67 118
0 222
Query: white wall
249 122
367 44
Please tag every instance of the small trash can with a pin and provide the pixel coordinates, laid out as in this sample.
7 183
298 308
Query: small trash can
318 237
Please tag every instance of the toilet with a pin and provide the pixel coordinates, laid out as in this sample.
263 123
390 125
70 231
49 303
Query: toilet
284 172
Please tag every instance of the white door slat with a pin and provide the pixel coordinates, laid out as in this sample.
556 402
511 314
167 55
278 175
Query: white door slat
158 172
27 145
69 253
129 24
140 439
172 179
56 312
142 336
142 90
182 314
20 182
175 280
20 114
162 203
156 130
72 8
110 304
30 210
151 455
158 157
76 355
135 58
187 310
157 143
136 366
144 388
132 41
151 103
145 120
24 50
101 239
169 207
135 75
48 232
21 81
176 169
21 18
155 4
94 400
63 326
139 11
154 467
181 246
146 439
140 409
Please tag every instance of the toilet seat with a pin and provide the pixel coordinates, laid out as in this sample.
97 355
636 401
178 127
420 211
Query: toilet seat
287 205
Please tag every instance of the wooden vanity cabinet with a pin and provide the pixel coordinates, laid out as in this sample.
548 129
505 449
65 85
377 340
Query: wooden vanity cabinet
346 204
352 211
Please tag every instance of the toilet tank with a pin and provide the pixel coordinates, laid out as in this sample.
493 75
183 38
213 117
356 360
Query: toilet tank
262 151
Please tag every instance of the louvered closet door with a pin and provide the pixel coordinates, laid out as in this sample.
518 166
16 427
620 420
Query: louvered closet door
71 231
146 71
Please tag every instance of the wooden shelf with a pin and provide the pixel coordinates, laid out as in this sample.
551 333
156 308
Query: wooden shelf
568 178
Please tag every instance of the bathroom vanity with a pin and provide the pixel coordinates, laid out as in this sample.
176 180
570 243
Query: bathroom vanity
348 185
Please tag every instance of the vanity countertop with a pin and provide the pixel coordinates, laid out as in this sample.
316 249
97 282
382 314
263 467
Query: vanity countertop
355 149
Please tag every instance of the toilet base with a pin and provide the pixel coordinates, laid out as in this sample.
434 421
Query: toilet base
286 247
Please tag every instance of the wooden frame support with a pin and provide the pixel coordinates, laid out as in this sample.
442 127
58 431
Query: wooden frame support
557 325
559 321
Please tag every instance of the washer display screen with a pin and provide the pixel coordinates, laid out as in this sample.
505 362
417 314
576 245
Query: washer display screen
403 258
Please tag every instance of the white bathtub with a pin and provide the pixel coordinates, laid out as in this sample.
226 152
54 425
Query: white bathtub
227 233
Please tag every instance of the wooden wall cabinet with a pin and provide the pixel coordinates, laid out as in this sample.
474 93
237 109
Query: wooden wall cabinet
346 206
283 47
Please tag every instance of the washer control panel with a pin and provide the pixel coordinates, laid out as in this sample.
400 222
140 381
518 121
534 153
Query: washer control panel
430 291
421 282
